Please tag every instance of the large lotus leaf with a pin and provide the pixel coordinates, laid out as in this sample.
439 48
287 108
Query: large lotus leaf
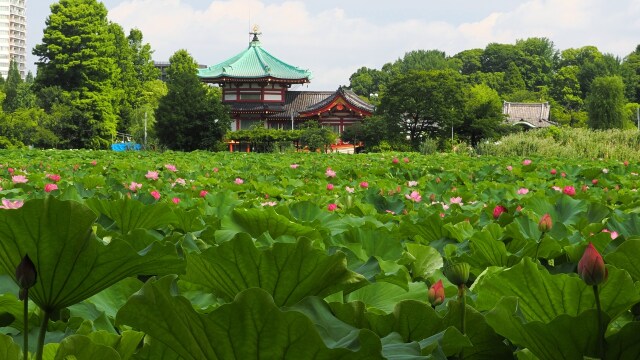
125 344
626 257
126 214
82 347
625 224
307 212
487 249
543 296
251 327
428 229
71 263
11 311
255 222
461 231
221 203
153 349
289 272
564 337
112 298
9 350
375 241
425 260
624 344
566 210
384 296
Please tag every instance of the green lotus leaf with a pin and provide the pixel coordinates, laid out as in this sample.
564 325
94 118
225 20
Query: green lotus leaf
125 344
543 296
289 272
384 296
625 224
624 344
626 257
426 260
82 347
255 222
374 240
72 263
9 350
487 249
566 210
251 327
564 337
126 215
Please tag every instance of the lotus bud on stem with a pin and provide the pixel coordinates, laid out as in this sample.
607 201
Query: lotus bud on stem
458 274
544 225
26 277
592 270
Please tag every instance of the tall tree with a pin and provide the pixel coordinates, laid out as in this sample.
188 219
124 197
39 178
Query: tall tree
11 86
605 103
483 115
191 116
77 57
540 57
631 75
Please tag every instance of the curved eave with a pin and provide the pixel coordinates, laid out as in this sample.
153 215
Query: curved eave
335 102
266 79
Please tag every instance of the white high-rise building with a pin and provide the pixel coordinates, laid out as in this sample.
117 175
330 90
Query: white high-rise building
13 35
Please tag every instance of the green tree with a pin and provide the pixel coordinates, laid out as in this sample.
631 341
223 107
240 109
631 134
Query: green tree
78 57
538 62
314 137
471 61
14 80
367 82
371 131
26 98
424 103
498 57
191 116
483 115
606 103
565 89
513 81
631 75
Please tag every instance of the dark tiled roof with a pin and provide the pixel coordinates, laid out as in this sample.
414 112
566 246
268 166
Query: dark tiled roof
533 114
348 95
256 107
297 101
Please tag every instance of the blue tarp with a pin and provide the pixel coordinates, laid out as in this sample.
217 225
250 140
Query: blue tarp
124 146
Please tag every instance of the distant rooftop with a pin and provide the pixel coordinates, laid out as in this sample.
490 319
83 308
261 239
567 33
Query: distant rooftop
528 114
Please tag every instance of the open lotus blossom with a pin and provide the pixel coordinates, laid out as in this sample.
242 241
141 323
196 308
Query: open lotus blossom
364 184
498 210
614 234
11 204
329 186
238 181
349 189
456 200
569 190
526 162
556 188
50 187
330 173
176 200
435 295
605 171
412 183
294 166
171 167
269 203
332 207
203 193
414 196
179 181
134 186
591 266
53 177
523 191
155 194
152 175
509 168
19 179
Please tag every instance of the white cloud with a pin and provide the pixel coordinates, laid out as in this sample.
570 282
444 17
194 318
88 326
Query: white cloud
335 42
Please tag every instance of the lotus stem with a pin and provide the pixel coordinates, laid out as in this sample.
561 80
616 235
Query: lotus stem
25 327
538 245
601 342
42 334
463 307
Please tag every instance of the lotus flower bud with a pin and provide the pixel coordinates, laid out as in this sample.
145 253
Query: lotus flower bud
436 293
26 275
591 267
545 224
458 273
498 210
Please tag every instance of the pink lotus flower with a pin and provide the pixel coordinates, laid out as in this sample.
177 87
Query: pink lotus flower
332 207
614 234
412 183
435 295
152 175
526 162
215 170
54 177
591 267
554 171
563 174
238 181
10 170
50 187
294 166
349 189
134 186
569 190
93 163
523 191
556 188
330 173
329 186
171 167
509 168
176 200
11 204
414 196
203 193
594 181
19 179
498 210
364 184
545 224
179 181
395 160
626 163
269 203
456 200
406 160
155 194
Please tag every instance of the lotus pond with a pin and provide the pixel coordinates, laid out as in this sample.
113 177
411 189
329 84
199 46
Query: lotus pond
310 256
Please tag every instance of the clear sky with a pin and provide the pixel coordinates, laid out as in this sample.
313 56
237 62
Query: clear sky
334 38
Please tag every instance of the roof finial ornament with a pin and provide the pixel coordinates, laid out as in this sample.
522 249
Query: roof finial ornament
255 32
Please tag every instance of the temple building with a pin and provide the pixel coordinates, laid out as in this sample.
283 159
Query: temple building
255 84
527 115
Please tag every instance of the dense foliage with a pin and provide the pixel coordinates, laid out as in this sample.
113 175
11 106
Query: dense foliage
232 256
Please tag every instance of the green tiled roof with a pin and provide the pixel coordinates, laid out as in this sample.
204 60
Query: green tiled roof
254 63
